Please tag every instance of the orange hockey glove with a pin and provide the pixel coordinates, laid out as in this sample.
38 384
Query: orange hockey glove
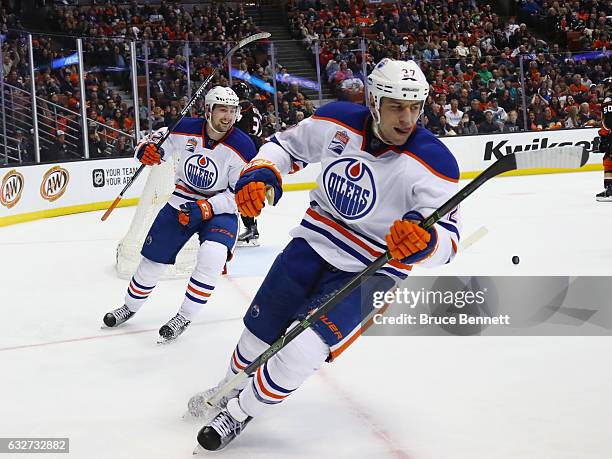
189 216
251 199
149 154
410 243
260 180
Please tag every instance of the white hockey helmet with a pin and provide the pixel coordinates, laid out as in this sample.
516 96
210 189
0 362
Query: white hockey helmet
220 95
402 80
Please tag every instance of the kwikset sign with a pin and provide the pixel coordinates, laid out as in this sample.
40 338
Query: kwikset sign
495 149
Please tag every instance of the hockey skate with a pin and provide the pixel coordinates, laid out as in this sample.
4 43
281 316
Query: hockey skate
250 237
173 329
197 409
226 426
117 316
605 195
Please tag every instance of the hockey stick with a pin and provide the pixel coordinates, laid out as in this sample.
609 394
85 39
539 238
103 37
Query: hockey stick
184 112
474 238
558 158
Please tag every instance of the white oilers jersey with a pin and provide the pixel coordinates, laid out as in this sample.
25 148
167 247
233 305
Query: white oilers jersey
207 169
365 185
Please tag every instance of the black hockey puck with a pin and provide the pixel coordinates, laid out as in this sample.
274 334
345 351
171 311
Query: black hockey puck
515 260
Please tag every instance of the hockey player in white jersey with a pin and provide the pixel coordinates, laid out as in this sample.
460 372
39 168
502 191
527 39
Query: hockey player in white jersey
212 154
381 174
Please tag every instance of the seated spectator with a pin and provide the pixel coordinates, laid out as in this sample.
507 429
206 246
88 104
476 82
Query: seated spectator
293 94
488 126
499 114
466 126
510 125
587 119
572 120
286 114
443 127
123 147
475 112
171 116
24 148
548 120
352 88
59 151
454 115
97 145
309 108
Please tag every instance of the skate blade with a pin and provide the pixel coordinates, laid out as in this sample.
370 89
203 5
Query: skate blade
247 244
204 419
198 449
162 341
604 199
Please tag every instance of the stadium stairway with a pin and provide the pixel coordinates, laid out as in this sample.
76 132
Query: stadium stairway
290 53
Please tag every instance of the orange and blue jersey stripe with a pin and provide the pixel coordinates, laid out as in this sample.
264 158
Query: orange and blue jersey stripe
198 292
358 246
266 390
238 362
139 291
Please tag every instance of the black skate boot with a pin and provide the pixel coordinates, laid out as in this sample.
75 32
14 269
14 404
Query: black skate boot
250 236
605 195
226 426
173 328
198 409
117 316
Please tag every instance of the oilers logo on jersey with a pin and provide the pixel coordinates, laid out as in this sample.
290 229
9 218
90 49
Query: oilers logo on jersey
201 172
339 142
350 187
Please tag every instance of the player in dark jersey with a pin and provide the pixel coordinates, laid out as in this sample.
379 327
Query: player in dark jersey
605 142
250 122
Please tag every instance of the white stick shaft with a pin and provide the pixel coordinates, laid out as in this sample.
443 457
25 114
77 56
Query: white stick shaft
568 157
474 237
229 386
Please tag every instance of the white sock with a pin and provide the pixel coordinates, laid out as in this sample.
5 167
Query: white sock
284 373
142 283
249 347
211 259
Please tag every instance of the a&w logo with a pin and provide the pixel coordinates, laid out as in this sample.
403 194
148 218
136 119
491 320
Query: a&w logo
12 187
200 172
339 142
54 183
350 187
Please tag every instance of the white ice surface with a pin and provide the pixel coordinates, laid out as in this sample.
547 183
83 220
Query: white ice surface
117 394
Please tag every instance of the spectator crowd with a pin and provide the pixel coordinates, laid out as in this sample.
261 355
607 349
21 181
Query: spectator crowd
476 60
472 57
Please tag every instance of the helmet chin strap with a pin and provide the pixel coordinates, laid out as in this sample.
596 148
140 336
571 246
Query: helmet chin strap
376 125
376 122
210 123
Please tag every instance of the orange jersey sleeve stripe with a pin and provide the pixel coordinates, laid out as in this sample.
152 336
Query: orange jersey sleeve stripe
359 242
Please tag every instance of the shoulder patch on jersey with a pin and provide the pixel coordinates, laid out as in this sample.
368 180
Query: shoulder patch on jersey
433 154
345 114
241 144
190 126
